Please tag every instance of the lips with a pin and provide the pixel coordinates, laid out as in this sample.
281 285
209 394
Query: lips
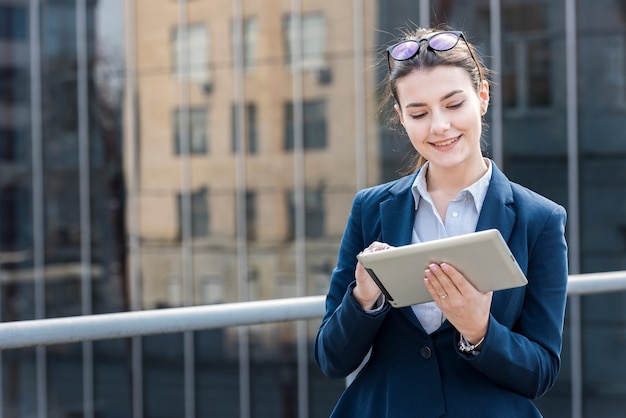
446 142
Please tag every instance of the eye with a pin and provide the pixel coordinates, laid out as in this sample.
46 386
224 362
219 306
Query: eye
418 115
456 105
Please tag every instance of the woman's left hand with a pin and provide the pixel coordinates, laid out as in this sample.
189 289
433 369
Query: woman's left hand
464 306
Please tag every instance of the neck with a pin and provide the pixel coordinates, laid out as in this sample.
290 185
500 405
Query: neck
451 180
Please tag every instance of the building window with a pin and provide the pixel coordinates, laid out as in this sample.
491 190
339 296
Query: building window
174 291
314 213
527 58
10 218
199 204
250 41
196 130
251 215
13 23
250 37
313 38
250 128
14 86
253 284
314 125
190 53
15 227
58 39
212 289
11 145
616 69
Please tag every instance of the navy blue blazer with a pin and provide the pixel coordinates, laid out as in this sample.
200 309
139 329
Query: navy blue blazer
413 374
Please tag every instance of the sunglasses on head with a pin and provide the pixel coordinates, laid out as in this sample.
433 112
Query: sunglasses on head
439 41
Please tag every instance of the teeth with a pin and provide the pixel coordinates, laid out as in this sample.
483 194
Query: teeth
448 142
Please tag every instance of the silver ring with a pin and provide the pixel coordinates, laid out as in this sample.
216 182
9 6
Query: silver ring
445 295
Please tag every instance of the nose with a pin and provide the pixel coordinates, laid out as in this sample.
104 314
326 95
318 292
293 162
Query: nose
439 123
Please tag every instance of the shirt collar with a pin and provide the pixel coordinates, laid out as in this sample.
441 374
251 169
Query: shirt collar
478 190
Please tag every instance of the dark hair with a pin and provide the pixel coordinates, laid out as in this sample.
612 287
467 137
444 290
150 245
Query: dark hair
459 56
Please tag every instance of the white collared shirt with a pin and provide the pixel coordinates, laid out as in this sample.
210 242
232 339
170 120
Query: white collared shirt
461 218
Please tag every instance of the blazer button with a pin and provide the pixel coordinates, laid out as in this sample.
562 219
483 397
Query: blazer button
426 352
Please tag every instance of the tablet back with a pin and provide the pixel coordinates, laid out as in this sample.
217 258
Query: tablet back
483 257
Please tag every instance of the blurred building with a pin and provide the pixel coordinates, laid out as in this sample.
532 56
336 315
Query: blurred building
48 165
209 124
159 153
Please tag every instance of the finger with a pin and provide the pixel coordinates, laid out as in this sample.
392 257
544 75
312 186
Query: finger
446 283
437 291
376 246
360 271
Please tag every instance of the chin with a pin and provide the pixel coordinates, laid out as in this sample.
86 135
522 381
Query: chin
451 161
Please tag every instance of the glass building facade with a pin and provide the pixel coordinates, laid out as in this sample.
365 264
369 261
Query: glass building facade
167 153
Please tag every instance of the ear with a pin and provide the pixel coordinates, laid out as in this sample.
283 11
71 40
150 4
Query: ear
397 108
483 96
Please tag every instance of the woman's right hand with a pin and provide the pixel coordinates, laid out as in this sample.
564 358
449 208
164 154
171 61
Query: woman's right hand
366 292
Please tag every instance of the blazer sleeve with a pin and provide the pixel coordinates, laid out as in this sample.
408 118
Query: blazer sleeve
347 332
525 358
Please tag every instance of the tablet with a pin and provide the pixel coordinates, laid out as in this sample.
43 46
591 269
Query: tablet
483 257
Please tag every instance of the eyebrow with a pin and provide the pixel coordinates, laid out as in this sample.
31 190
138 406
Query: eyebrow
446 96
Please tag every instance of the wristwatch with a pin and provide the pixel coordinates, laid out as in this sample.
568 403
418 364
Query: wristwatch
466 347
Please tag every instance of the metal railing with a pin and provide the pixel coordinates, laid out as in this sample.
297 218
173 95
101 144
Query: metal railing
162 321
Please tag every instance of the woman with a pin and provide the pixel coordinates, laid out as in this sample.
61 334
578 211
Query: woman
467 354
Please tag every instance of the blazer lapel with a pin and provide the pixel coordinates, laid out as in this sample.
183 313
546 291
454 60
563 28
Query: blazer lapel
497 210
397 214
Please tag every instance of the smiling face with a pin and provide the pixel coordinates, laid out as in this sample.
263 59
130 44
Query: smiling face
441 112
